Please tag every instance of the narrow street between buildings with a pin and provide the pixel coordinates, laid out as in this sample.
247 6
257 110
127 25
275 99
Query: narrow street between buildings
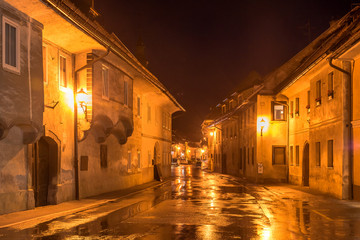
197 204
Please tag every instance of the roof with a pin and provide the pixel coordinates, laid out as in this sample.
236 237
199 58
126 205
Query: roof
69 11
323 46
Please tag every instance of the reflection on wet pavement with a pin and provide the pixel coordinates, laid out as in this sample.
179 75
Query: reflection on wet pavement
202 205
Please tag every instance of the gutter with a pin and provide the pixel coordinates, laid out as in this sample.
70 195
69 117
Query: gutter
105 41
347 174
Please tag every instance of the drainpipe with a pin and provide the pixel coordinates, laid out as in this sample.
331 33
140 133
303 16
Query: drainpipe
347 131
76 147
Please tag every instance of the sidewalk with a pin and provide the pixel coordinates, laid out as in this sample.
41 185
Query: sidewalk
50 212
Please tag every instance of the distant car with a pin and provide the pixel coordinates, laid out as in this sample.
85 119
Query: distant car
183 161
198 163
174 161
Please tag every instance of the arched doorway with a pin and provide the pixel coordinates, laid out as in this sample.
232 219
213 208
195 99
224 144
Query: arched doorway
305 165
45 171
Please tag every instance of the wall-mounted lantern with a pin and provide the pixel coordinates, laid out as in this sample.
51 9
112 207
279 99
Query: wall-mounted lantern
82 99
262 124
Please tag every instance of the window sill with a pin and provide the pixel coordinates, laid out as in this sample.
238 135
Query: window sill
330 168
11 69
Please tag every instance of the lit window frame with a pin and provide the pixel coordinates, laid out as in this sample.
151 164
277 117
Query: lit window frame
279 103
61 86
105 88
14 24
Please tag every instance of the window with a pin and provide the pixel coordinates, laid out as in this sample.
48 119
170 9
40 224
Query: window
331 85
11 45
223 109
318 93
292 109
297 155
105 82
138 106
297 106
330 153
318 154
63 72
45 64
103 156
139 158
308 102
126 97
278 155
291 155
278 111
148 113
129 160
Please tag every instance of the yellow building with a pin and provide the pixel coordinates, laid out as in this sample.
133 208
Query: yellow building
100 121
303 123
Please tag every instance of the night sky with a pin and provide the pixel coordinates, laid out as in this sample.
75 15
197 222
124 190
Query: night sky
202 50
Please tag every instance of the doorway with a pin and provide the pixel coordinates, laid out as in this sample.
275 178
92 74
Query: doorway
306 165
45 171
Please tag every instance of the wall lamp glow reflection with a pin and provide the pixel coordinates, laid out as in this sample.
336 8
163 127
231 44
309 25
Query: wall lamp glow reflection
82 97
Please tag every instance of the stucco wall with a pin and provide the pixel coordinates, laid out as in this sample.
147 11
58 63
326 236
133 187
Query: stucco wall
21 104
274 134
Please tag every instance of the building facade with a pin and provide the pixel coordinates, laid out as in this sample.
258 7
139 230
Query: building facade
91 120
306 118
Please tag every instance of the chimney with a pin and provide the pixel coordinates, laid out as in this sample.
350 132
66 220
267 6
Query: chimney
140 53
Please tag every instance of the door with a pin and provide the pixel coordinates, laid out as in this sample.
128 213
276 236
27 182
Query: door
42 173
306 165
45 171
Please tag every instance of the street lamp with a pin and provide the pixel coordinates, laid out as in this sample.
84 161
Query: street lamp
81 97
211 133
262 124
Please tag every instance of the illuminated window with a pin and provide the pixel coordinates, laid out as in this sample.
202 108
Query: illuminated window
297 155
308 102
278 155
148 113
278 111
11 45
129 160
331 85
330 153
318 154
297 107
292 109
318 93
126 92
103 156
105 82
63 73
223 108
45 64
291 155
139 158
138 106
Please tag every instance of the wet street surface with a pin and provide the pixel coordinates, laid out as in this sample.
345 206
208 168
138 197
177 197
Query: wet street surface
201 205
